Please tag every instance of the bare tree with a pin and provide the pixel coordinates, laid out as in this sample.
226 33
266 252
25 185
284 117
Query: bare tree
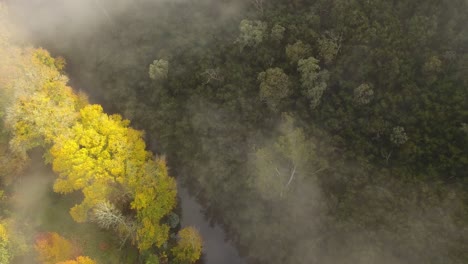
386 155
107 216
212 75
281 165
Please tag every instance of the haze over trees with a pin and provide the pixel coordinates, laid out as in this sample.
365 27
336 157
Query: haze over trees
313 131
92 152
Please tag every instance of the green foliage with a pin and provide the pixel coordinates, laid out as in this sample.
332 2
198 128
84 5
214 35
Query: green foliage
314 81
398 136
16 238
159 69
378 94
329 46
173 220
274 87
277 32
252 33
433 65
363 94
152 259
297 51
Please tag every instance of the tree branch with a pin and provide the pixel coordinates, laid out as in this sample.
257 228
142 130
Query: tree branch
292 176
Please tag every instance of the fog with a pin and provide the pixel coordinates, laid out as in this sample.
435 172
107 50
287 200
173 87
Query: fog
215 249
285 194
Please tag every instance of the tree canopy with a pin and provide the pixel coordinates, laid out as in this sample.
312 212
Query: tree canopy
91 151
312 131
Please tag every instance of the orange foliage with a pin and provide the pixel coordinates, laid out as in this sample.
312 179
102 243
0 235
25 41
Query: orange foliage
52 248
103 246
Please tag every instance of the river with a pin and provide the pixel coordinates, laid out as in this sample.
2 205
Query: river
215 249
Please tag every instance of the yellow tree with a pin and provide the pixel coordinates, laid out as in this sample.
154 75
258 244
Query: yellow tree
189 246
43 105
52 248
11 163
93 156
35 101
79 260
154 197
101 156
4 245
95 153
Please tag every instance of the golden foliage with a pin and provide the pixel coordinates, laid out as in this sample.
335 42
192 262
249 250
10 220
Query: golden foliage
189 246
79 260
52 248
93 156
155 196
3 233
95 153
42 106
5 255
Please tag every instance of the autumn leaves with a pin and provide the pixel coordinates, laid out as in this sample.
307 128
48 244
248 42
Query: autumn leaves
95 153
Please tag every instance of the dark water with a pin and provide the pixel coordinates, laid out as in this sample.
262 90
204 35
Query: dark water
215 249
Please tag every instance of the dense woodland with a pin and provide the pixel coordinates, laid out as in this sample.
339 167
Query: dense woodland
314 131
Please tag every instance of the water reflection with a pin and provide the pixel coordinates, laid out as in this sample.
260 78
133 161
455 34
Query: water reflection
215 249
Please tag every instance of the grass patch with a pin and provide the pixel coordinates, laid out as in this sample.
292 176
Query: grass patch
45 211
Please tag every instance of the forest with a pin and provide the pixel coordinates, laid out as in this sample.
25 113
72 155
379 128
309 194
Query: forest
311 131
